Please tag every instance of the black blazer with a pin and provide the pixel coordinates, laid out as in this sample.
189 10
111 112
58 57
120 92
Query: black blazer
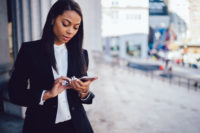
32 68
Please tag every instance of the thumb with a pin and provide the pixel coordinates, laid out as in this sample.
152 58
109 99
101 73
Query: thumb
95 78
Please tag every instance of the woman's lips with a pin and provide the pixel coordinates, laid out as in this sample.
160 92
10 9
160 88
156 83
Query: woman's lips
66 38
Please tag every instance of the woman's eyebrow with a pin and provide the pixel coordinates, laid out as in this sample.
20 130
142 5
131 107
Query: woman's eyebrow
70 21
67 20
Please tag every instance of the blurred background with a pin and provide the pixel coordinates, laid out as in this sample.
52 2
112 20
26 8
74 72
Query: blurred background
146 54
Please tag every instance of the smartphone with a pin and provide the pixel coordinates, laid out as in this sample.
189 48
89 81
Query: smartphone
67 83
87 78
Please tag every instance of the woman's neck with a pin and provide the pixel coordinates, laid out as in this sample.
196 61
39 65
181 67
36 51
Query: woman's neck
56 42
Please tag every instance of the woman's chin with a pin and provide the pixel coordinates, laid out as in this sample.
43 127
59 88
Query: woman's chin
65 41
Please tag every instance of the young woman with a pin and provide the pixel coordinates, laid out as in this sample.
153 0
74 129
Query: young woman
42 68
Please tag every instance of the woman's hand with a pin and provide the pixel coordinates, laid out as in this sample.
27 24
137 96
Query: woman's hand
81 87
58 87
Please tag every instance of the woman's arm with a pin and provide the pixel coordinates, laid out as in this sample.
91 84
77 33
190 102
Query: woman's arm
18 83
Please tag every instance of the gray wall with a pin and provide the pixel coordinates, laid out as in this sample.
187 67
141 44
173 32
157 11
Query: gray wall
4 47
92 23
31 16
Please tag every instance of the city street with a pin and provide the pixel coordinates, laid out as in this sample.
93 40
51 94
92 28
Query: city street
145 53
130 102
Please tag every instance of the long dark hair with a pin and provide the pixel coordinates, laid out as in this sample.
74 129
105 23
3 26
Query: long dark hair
74 46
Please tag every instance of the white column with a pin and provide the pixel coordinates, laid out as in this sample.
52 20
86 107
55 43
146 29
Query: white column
18 21
45 7
53 1
92 23
4 51
92 26
26 20
97 25
35 19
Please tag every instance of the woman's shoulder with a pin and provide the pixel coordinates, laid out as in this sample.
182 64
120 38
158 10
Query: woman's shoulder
31 44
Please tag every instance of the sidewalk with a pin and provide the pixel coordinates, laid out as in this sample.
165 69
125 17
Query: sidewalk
130 102
188 77
10 124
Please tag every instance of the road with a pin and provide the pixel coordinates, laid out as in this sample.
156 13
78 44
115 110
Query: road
130 102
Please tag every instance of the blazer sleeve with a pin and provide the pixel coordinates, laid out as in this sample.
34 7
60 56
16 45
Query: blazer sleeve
18 84
91 96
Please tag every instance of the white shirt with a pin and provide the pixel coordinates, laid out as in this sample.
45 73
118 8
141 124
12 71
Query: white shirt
61 55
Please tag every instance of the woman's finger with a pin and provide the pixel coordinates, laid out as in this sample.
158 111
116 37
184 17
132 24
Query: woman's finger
65 78
81 83
78 87
55 81
77 84
84 87
87 83
61 81
84 83
72 84
65 87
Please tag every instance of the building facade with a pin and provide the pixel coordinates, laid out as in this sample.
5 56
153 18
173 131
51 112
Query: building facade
180 18
185 18
159 23
194 25
121 22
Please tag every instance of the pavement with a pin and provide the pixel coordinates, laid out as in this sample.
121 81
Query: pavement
131 102
10 124
128 101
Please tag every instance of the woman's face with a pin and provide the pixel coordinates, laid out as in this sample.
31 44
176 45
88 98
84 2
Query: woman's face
66 26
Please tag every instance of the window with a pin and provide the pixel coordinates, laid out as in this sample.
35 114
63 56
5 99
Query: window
114 14
115 3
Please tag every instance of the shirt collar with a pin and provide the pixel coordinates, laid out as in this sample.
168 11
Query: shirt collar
59 47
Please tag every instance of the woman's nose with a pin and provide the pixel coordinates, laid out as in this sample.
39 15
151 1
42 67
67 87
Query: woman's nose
70 30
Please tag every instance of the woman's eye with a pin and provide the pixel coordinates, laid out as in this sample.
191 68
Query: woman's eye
65 25
76 28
